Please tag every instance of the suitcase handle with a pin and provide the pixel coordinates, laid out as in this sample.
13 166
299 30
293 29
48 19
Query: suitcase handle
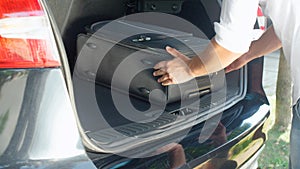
198 93
144 91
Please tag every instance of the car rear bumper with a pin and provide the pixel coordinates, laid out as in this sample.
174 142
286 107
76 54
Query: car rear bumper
252 163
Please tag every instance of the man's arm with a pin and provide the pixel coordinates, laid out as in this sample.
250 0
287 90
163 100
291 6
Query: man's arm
233 38
267 43
212 59
181 68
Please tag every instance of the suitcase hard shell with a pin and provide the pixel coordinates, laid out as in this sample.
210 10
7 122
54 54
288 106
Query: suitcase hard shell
129 50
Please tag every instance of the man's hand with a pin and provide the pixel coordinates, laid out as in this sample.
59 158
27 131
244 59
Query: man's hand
173 71
182 69
237 64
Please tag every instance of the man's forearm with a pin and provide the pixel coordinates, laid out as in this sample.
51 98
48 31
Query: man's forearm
267 43
212 59
215 57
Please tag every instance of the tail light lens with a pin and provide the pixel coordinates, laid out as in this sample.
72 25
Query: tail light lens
262 24
261 19
26 39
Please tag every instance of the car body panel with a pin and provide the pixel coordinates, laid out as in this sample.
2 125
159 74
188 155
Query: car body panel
238 136
37 120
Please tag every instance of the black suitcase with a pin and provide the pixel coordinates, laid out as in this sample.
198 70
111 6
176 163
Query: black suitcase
121 56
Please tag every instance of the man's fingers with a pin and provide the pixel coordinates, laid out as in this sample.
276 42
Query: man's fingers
167 82
177 67
228 69
163 78
160 65
237 64
159 73
176 53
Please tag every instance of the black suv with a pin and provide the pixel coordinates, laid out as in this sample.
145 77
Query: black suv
77 90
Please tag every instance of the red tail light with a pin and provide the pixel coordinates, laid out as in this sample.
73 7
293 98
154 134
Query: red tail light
262 22
26 40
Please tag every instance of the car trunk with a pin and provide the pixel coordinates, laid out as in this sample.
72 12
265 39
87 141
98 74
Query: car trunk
142 123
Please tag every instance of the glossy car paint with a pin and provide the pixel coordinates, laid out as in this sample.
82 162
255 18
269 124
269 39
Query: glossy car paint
38 128
27 125
238 136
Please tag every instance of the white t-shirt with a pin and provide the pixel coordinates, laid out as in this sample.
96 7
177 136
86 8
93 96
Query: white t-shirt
234 32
